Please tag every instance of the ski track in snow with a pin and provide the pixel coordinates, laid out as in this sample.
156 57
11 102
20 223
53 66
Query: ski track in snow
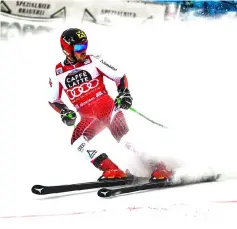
180 74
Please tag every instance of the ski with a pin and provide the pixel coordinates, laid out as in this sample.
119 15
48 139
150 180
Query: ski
44 190
154 184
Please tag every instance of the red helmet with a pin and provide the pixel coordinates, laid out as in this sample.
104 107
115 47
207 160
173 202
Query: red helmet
71 37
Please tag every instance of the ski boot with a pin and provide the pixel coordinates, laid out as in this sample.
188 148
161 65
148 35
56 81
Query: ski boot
161 173
110 170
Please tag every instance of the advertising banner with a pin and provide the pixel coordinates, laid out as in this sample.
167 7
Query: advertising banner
119 12
22 18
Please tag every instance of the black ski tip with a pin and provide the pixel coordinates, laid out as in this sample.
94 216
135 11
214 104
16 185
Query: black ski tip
37 189
104 192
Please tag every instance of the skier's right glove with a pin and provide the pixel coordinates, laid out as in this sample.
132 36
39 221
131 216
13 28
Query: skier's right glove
68 117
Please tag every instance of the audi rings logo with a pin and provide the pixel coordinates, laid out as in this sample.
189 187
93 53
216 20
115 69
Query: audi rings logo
82 88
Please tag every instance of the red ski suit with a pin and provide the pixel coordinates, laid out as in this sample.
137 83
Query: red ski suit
83 84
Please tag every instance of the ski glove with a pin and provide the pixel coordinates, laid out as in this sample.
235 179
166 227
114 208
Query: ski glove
68 117
124 99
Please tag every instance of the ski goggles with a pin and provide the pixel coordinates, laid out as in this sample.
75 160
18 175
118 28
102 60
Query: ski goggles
80 47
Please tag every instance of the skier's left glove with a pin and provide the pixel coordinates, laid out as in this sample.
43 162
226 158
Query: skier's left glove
68 117
124 99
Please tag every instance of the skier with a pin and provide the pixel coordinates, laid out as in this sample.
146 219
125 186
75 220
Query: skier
81 77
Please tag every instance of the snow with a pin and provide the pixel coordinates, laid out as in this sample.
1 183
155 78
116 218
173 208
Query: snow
180 74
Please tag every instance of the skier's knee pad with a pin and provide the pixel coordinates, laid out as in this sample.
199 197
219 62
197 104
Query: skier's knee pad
77 133
118 126
87 128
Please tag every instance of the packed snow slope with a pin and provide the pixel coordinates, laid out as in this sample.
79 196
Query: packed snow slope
182 75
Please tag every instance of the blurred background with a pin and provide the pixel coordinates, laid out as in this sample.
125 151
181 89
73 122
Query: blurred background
21 18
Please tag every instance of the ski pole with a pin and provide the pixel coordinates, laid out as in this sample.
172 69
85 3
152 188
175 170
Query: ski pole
142 115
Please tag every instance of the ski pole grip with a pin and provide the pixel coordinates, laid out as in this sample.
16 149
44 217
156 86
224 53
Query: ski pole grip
69 115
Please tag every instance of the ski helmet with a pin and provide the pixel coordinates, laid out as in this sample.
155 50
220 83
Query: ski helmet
71 37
